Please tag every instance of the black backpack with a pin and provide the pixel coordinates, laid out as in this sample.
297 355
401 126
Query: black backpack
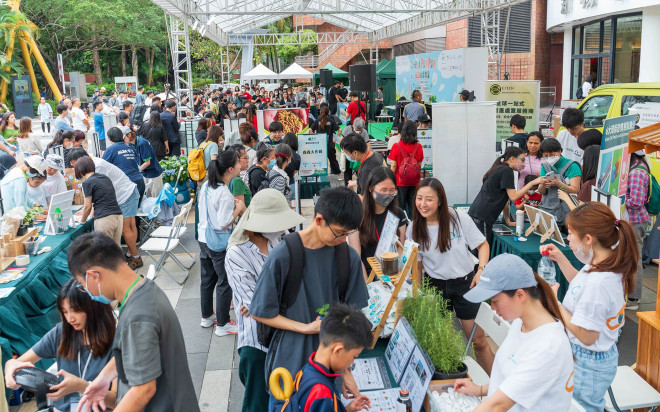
294 279
579 93
262 185
137 115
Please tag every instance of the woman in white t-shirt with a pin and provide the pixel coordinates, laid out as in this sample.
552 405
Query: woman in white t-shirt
445 238
593 308
533 369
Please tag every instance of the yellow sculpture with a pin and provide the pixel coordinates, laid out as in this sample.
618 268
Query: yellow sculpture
28 46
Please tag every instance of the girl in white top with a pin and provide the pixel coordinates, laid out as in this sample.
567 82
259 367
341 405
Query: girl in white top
593 308
27 141
533 369
445 238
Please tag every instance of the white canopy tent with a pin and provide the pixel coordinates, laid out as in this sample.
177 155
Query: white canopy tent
260 72
295 71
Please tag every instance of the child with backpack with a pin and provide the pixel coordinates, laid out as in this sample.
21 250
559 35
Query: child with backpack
344 333
255 178
406 163
277 177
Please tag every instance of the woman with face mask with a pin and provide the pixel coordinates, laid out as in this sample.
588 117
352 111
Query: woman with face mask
81 344
593 308
257 233
63 139
445 237
558 173
379 199
219 209
497 189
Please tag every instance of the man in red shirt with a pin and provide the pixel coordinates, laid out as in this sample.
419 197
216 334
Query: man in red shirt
356 108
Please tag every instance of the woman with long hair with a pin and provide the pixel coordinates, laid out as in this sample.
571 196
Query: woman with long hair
202 130
380 198
81 344
63 138
533 157
153 131
218 208
8 128
27 141
533 366
593 308
251 114
445 237
407 175
497 189
327 124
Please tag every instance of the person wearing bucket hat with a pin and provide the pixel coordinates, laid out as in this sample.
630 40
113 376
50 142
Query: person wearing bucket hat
55 182
533 368
14 186
260 229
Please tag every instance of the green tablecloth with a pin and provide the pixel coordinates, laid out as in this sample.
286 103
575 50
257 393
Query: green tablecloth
529 252
30 311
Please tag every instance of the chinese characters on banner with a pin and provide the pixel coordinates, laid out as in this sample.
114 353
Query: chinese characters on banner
514 97
426 140
313 154
614 157
440 76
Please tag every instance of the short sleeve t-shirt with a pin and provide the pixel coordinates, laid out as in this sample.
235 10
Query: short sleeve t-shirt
596 301
534 369
319 287
77 115
125 157
413 110
370 249
209 150
493 195
534 199
98 125
100 188
401 150
570 147
54 184
238 187
47 347
123 186
146 152
37 196
457 261
573 170
367 165
149 345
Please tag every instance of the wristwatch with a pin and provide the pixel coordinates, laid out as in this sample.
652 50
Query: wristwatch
481 267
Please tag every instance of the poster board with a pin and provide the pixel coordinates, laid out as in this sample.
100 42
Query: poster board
22 97
294 120
313 151
425 138
614 160
514 97
417 377
60 215
388 235
537 224
463 149
439 75
341 112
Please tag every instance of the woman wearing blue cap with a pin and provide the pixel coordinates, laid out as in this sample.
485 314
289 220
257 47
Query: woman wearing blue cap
533 369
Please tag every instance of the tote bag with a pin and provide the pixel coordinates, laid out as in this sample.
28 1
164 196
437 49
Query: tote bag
216 240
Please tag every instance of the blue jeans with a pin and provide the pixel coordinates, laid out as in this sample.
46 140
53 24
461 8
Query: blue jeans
594 373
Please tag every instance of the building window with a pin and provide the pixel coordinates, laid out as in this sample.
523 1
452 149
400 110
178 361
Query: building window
627 49
518 38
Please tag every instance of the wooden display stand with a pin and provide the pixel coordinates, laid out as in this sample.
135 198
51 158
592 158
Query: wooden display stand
409 270
648 333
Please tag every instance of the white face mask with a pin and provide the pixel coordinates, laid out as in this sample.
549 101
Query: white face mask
273 237
552 160
584 257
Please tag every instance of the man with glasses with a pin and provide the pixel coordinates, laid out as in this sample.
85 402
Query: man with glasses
573 121
149 350
338 213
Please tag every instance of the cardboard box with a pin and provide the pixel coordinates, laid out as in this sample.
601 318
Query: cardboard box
436 386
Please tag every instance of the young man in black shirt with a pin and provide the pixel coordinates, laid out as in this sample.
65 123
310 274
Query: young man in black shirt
517 124
356 150
332 96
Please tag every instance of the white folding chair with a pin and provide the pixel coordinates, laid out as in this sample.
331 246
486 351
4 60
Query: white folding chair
167 231
630 391
495 327
165 246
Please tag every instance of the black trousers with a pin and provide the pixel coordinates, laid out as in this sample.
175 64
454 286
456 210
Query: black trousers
175 149
43 127
214 277
141 188
486 229
407 199
332 157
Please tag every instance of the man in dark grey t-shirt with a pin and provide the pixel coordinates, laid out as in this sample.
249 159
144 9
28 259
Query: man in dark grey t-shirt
149 351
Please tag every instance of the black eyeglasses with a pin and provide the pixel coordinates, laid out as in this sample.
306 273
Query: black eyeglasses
342 235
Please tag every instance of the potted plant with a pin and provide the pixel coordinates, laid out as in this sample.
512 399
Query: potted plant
171 166
433 325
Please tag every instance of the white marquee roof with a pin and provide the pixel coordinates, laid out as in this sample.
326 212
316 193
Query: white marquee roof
260 72
295 71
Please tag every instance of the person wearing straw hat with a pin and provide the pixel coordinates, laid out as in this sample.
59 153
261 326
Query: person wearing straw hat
55 182
533 368
260 229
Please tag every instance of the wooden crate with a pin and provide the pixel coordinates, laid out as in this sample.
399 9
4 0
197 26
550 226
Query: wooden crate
15 247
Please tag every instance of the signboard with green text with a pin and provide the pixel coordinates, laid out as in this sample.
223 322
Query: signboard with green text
514 97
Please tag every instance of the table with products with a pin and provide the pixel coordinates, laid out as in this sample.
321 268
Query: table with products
529 252
29 310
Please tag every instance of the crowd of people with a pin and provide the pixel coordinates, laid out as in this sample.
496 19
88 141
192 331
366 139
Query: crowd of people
277 278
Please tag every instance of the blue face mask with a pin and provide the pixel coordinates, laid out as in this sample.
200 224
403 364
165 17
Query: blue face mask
272 163
100 298
30 175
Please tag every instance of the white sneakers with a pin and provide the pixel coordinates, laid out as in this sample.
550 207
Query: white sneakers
230 328
208 322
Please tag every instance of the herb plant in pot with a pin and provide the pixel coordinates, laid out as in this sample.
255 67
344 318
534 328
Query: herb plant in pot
434 329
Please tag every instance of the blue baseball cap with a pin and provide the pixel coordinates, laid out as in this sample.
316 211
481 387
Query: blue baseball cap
503 272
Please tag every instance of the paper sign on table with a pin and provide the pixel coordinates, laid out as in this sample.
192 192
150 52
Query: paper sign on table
370 374
4 292
388 234
399 349
383 400
417 377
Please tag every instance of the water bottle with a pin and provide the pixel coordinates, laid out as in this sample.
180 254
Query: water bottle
403 403
520 222
546 268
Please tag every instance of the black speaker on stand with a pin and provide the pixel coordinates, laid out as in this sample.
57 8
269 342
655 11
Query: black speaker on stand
326 77
362 78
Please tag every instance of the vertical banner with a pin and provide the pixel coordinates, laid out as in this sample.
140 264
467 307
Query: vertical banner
440 76
313 150
22 95
60 71
425 138
341 112
614 157
514 97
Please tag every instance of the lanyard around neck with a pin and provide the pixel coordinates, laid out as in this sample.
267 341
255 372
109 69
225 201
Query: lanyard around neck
82 373
123 301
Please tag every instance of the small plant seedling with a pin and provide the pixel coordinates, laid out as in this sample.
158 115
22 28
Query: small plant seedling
323 310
